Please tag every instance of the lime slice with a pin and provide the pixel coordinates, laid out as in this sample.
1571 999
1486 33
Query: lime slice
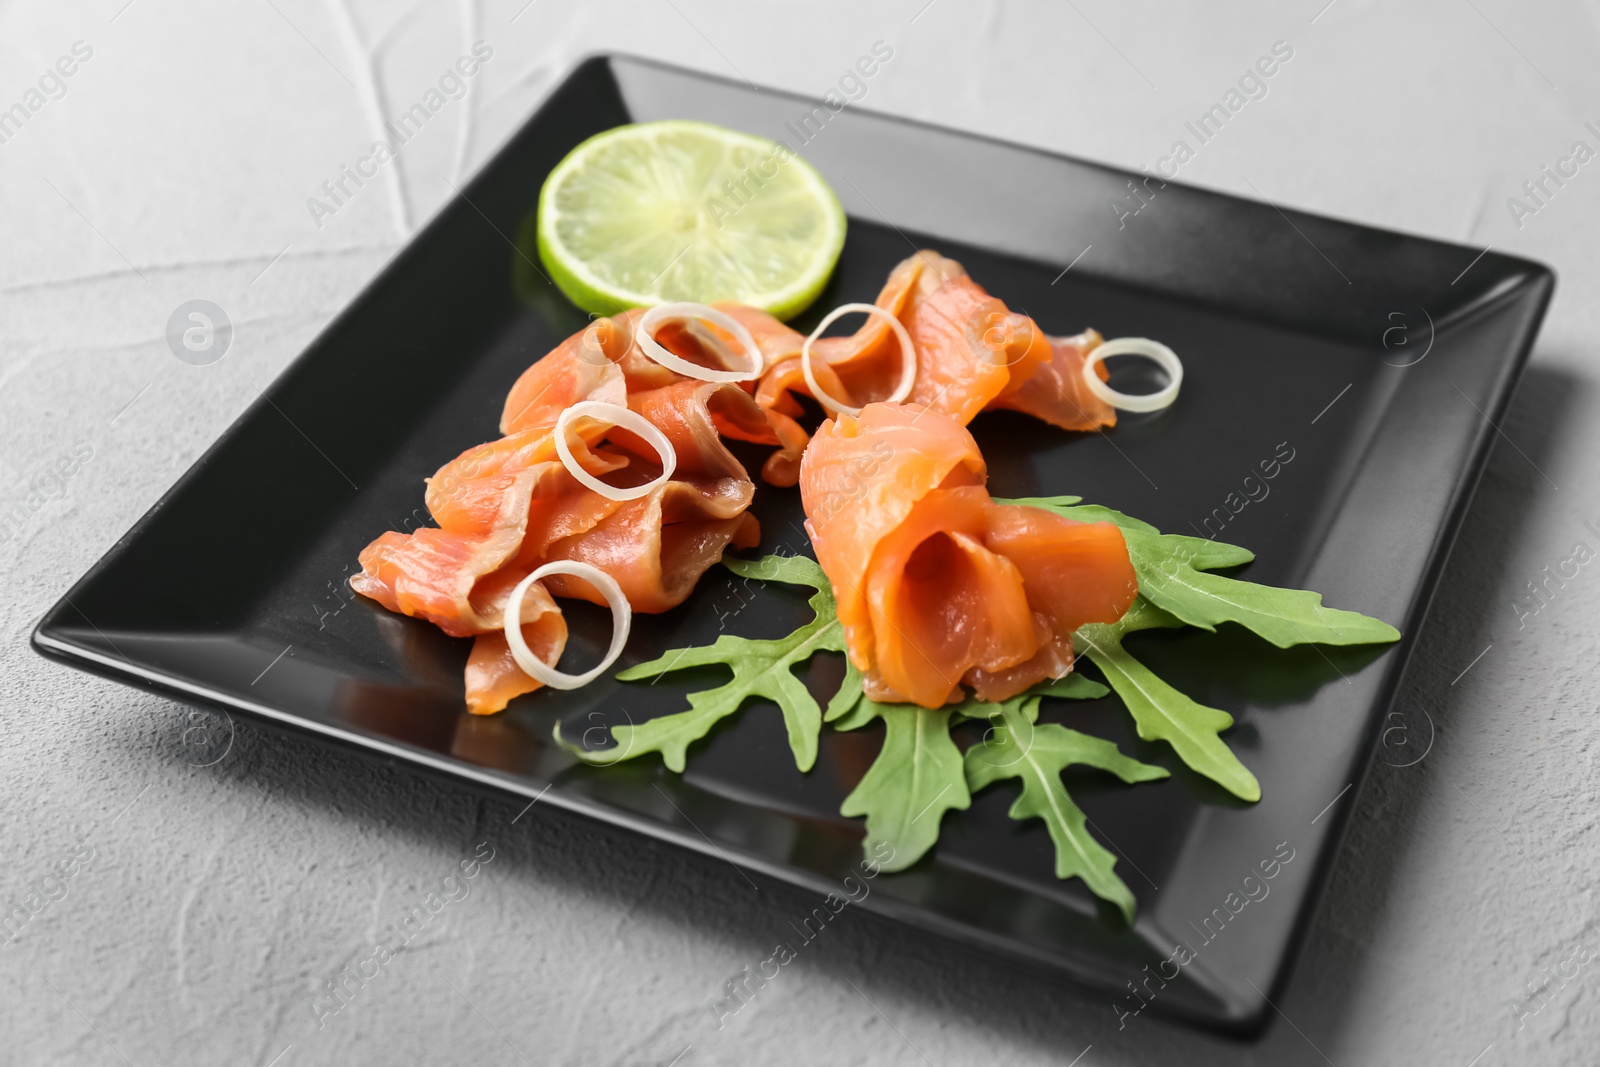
666 211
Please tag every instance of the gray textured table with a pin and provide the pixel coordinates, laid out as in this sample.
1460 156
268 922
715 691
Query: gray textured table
209 906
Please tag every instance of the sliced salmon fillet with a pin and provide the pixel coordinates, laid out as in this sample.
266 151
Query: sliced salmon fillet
973 354
507 506
604 362
583 367
870 472
659 545
493 678
599 362
938 586
1055 392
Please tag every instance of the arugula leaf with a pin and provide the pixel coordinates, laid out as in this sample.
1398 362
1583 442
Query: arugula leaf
1017 748
847 700
917 777
1176 579
1160 712
914 769
761 668
1072 687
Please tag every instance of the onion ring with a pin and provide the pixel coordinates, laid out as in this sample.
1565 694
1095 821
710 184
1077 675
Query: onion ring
621 624
1135 346
908 358
616 415
644 334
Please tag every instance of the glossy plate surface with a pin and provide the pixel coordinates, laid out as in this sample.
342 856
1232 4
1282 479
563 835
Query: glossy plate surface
1365 365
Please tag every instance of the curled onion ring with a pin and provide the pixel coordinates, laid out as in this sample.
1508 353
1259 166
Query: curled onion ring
616 415
645 332
621 624
908 358
1135 346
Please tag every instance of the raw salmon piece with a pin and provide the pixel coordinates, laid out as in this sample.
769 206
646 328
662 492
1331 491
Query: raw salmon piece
1074 572
1056 393
604 362
970 347
431 573
695 416
942 603
656 564
876 340
855 369
775 394
485 501
492 676
1054 659
775 340
507 506
939 587
972 352
468 494
859 480
658 546
586 366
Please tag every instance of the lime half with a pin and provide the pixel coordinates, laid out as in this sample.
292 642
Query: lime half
666 211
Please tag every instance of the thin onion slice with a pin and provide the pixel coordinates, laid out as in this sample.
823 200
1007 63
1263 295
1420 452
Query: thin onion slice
1135 346
616 415
908 357
650 321
621 624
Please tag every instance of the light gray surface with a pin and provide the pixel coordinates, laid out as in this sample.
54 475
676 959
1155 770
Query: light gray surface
219 900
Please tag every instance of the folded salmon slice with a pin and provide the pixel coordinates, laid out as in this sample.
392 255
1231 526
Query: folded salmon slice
1056 393
599 362
507 506
938 586
973 354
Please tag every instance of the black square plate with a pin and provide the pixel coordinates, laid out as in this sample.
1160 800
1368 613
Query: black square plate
1378 363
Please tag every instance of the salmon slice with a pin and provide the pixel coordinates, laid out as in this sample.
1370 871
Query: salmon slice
776 395
656 547
942 603
600 362
938 586
604 362
507 506
973 354
507 509
1056 393
859 481
586 366
492 676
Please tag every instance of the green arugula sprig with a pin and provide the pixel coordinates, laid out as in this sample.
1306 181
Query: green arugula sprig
920 772
1018 746
1160 712
917 777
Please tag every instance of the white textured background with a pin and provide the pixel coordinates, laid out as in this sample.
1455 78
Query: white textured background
220 899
